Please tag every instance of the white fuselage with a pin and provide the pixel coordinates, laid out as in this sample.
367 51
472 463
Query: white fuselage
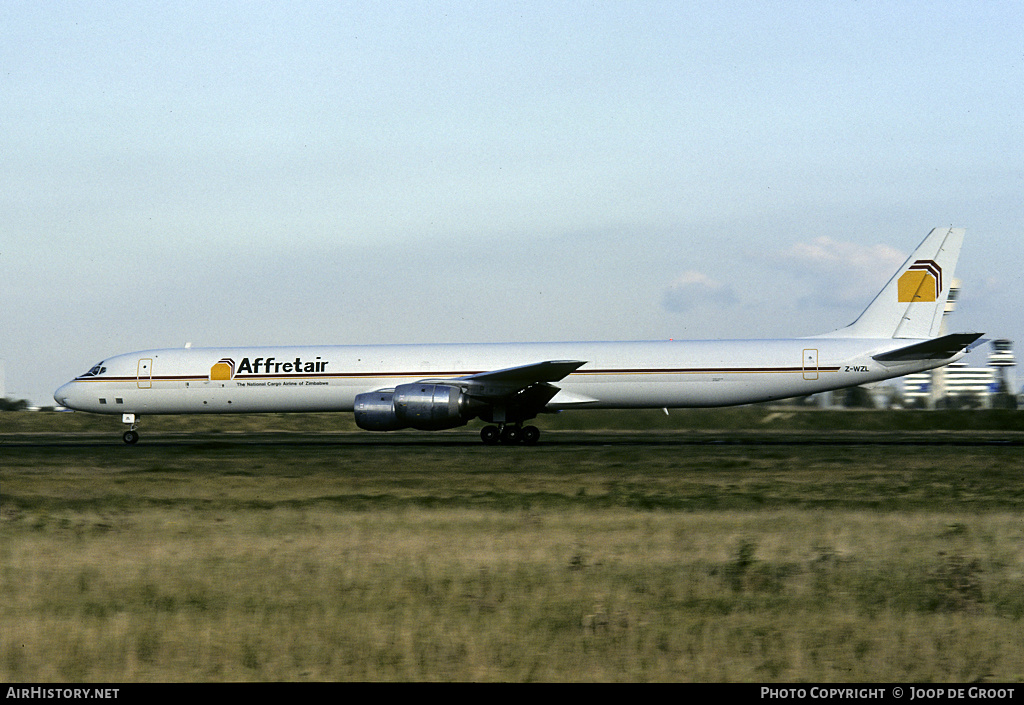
655 374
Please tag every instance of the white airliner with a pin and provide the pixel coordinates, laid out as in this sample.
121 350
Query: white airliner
433 387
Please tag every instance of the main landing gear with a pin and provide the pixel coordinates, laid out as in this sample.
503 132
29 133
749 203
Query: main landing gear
508 434
131 436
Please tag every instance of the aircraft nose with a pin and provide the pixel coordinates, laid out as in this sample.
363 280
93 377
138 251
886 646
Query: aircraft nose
63 395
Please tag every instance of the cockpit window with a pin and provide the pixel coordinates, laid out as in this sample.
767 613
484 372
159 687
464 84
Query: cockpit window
96 370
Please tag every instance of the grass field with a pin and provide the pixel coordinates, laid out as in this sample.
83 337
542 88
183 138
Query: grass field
804 546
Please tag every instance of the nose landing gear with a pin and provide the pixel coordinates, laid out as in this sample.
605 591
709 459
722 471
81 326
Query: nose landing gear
131 436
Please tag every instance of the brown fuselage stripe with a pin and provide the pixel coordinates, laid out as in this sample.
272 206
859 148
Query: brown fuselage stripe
375 375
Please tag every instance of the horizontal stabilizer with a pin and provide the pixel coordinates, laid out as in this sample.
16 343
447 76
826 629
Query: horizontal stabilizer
938 349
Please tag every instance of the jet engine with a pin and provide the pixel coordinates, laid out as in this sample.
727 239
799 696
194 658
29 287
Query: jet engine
426 407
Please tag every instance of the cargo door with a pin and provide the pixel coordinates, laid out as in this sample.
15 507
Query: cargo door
145 377
810 363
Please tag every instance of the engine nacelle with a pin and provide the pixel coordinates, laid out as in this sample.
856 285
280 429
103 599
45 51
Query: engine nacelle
425 407
375 411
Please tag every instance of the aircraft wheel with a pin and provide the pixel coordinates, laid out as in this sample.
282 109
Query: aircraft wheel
510 435
530 435
490 435
131 437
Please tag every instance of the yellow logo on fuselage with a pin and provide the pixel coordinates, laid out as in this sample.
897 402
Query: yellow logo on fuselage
225 369
921 282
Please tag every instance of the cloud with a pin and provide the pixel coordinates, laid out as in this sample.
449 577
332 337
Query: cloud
842 273
692 289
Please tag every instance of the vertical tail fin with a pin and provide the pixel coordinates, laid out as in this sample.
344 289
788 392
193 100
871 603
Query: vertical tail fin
912 303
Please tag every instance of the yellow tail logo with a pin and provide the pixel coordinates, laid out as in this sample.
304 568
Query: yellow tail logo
921 282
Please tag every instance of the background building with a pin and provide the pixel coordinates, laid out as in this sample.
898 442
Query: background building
957 385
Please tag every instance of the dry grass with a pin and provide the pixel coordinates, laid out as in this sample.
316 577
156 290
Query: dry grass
422 594
342 560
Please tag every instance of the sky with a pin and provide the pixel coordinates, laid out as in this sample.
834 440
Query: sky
244 173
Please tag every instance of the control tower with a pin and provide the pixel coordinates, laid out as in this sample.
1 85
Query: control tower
1001 357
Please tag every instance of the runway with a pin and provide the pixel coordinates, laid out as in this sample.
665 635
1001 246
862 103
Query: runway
550 439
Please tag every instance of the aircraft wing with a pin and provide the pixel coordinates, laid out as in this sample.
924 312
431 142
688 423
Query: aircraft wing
550 371
512 393
513 380
936 349
517 391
